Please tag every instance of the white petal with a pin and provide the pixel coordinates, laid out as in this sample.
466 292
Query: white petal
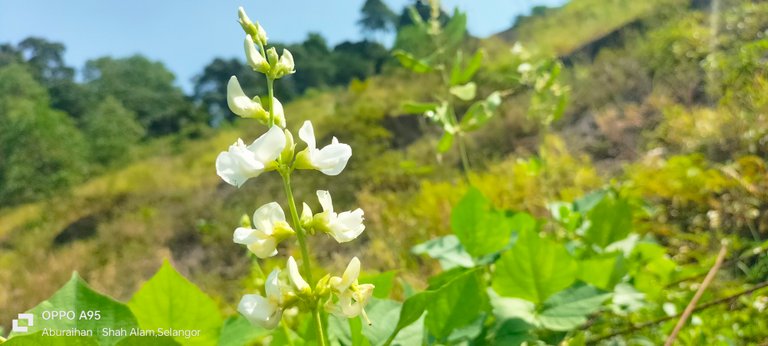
252 55
263 248
348 306
265 217
332 159
268 147
306 212
272 286
295 276
279 112
325 200
237 165
350 274
307 134
348 226
260 311
238 102
246 236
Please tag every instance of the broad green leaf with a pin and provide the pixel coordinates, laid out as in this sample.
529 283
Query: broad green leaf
589 201
447 250
169 301
38 339
461 74
410 62
78 297
481 229
569 309
534 269
464 92
382 282
456 304
512 332
445 143
238 331
383 314
609 221
411 311
604 271
419 108
626 299
480 112
356 332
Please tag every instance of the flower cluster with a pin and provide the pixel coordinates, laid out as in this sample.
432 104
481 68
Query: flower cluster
275 150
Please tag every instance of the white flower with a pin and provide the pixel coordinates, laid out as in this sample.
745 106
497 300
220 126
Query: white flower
244 106
295 276
264 311
256 30
285 65
330 160
269 229
343 227
352 296
241 162
254 57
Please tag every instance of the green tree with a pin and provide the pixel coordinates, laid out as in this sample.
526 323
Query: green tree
358 60
144 87
111 130
376 17
41 150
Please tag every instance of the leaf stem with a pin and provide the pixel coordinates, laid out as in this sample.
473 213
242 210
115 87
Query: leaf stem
319 326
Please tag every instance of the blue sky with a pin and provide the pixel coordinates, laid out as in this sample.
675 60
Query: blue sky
187 34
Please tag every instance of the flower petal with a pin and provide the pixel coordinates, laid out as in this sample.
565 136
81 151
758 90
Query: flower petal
237 165
265 217
295 276
260 311
263 248
268 147
325 200
350 275
272 286
307 134
238 102
332 159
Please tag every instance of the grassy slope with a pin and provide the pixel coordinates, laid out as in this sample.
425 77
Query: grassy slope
565 30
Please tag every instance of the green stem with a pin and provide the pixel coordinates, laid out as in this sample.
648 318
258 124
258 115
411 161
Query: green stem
270 101
287 332
300 234
319 326
463 153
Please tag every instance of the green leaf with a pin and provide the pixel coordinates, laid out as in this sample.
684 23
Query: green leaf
461 74
419 108
512 332
569 309
238 331
464 92
410 62
447 250
609 221
78 297
603 271
454 30
481 229
169 301
382 282
445 143
480 112
38 339
412 309
456 304
534 269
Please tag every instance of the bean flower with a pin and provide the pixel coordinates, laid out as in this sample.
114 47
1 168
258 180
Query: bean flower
344 226
330 160
242 162
264 311
269 229
352 296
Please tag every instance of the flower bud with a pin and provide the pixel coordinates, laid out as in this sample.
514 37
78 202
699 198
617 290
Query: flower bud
246 23
261 35
245 221
285 65
306 219
254 58
298 281
287 155
272 56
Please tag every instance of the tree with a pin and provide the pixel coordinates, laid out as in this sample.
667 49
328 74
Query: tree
144 87
111 130
377 17
41 150
358 60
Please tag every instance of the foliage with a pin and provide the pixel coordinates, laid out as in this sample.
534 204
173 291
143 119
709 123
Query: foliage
112 131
